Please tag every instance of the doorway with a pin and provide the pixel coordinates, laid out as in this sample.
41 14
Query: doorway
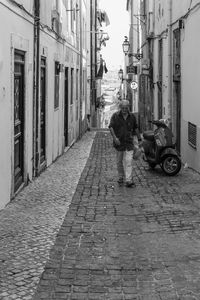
160 79
43 112
177 100
19 61
177 86
66 109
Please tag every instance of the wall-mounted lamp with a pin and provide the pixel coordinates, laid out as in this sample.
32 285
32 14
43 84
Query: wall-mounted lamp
126 45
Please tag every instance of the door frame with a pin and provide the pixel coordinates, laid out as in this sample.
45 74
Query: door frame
177 101
42 165
20 44
23 50
66 107
21 124
160 79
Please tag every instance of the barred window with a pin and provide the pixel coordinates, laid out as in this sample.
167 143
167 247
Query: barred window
192 135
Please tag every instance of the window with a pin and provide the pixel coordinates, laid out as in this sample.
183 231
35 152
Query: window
77 25
56 86
73 15
55 22
72 86
77 93
77 83
84 83
192 135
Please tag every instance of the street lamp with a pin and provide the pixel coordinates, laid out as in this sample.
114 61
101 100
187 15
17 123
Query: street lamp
126 45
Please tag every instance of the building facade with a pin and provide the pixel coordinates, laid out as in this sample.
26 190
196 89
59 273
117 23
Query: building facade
132 65
98 38
168 79
43 83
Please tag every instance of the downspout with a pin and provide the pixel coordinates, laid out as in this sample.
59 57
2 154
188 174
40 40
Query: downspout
91 58
36 63
95 39
81 28
95 63
93 5
170 75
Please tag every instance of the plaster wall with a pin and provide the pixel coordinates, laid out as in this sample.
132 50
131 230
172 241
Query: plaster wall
19 33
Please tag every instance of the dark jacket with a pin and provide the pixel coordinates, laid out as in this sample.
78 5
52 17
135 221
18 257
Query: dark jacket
124 130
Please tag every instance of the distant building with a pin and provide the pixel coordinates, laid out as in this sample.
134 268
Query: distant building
98 40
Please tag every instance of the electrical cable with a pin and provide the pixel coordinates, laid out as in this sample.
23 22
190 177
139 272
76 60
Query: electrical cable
185 16
22 8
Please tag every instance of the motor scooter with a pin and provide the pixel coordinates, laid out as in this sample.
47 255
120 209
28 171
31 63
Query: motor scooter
159 147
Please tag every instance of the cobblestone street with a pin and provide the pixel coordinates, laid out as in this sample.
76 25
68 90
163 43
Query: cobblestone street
127 243
114 243
29 224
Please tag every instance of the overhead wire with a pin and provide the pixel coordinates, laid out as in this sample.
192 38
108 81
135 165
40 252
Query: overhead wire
190 10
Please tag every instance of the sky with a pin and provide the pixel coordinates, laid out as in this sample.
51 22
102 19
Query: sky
118 28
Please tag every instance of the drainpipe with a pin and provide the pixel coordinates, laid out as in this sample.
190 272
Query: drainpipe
91 60
36 64
170 62
81 70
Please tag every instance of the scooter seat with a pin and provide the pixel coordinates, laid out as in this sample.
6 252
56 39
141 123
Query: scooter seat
149 135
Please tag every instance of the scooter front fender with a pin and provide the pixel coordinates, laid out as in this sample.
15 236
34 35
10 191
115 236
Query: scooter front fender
168 151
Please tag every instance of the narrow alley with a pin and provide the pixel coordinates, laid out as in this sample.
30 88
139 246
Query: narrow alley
113 243
68 229
126 243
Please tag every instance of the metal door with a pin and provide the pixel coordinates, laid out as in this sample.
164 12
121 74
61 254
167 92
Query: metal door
66 107
18 119
42 112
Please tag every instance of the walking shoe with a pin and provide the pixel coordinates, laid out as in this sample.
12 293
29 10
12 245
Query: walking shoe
120 180
129 183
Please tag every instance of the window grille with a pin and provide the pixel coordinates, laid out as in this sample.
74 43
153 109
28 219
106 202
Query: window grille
192 135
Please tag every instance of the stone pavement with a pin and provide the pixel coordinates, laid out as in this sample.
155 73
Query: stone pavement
30 223
119 243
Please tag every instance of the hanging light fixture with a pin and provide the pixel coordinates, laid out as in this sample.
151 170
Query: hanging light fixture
126 45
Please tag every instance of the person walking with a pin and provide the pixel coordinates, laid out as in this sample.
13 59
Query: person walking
123 128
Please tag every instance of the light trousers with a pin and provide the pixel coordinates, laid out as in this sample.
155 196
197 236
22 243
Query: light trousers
125 164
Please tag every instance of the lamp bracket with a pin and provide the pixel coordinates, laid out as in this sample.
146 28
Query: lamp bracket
138 56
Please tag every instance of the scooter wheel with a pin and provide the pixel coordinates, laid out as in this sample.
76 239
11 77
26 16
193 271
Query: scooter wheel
171 165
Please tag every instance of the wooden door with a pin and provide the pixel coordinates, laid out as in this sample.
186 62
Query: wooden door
43 112
66 107
18 119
